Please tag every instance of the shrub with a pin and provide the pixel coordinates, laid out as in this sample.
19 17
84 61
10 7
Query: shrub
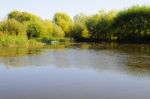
12 27
35 29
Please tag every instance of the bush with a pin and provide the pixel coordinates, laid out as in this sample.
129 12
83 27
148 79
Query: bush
35 29
12 27
12 41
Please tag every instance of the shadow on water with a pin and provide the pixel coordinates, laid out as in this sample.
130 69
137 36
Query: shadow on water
132 59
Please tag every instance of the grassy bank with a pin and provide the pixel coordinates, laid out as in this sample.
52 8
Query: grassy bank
18 41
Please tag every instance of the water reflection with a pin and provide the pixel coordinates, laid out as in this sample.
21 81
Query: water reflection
12 52
130 59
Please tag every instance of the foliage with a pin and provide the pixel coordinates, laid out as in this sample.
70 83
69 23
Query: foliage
79 29
22 16
99 25
132 25
57 31
12 41
35 29
32 43
64 21
128 25
48 29
12 27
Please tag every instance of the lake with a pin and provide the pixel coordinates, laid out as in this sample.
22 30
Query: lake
76 71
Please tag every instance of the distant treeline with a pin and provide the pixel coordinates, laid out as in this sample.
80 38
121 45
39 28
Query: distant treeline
128 25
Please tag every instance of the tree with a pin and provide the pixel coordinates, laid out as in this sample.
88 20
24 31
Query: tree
99 25
35 29
57 31
12 27
48 25
64 21
92 25
22 16
133 24
79 29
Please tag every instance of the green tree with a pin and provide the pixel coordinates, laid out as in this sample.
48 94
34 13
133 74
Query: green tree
92 25
132 25
48 29
99 25
35 29
22 16
64 21
79 29
57 31
12 27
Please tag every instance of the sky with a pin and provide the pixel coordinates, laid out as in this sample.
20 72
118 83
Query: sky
47 8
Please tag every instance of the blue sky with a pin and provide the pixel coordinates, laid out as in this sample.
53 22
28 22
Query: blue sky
47 8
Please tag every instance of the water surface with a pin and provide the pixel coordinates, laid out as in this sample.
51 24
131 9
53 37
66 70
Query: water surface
76 71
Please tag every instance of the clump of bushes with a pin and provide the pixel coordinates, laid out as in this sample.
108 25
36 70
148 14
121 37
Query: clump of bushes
12 41
22 28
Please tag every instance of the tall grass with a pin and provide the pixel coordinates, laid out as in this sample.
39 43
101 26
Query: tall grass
18 41
34 43
12 41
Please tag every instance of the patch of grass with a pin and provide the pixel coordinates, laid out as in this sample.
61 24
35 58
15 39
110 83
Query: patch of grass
12 41
18 41
35 43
